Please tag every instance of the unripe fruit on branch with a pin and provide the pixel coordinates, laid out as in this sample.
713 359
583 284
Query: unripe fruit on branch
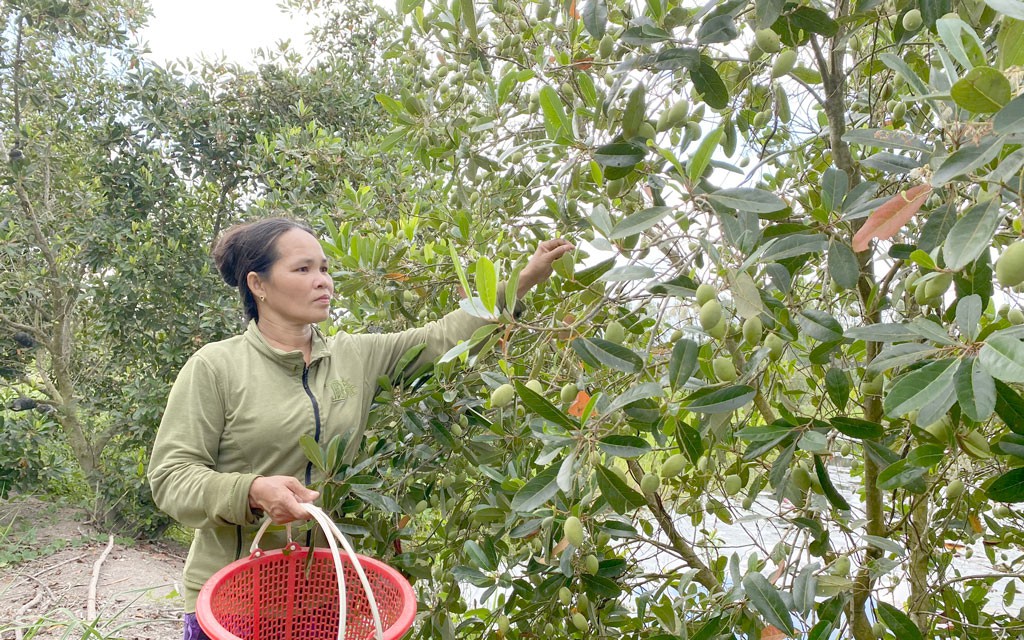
535 386
912 20
1010 265
710 314
503 395
767 40
784 63
568 393
724 369
673 465
752 329
614 332
565 596
650 483
573 529
705 293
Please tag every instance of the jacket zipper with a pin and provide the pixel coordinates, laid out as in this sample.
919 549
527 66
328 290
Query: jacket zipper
316 420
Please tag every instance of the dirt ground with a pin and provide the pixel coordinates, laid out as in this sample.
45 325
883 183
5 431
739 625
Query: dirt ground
47 559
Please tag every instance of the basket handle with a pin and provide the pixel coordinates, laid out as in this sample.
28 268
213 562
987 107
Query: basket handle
332 533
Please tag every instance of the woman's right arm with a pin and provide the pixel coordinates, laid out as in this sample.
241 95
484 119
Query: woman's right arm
182 470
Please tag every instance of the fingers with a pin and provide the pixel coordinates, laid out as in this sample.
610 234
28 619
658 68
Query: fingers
280 497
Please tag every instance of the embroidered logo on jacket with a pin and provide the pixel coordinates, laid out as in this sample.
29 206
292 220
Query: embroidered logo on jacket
341 389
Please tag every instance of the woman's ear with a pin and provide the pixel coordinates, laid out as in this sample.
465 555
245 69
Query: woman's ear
255 285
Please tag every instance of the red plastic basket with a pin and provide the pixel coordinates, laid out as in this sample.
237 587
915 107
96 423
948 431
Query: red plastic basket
272 596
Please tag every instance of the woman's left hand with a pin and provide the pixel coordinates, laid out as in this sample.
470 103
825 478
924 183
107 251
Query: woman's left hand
539 267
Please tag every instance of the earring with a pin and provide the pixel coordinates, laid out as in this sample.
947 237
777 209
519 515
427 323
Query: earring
263 298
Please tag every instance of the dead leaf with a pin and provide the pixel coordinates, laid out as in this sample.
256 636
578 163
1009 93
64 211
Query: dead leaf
572 10
885 221
975 523
579 404
772 633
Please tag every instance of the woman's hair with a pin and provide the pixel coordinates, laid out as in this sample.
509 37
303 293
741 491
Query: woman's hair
247 247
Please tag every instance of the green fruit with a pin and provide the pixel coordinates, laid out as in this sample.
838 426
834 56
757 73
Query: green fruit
976 445
650 483
801 478
782 102
954 489
784 63
676 336
580 621
871 386
582 601
607 45
724 369
718 331
678 112
421 506
646 131
935 287
761 119
733 484
912 20
706 293
592 565
767 40
503 395
614 332
673 465
1010 265
775 345
1015 316
535 386
568 393
573 529
616 187
710 314
635 112
899 111
1001 511
503 624
752 329
549 630
565 596
565 265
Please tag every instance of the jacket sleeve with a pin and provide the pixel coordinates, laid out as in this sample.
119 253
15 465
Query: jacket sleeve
183 467
382 352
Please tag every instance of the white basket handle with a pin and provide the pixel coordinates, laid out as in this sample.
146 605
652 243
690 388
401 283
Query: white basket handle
332 533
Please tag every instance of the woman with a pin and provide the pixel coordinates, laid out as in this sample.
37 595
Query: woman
227 449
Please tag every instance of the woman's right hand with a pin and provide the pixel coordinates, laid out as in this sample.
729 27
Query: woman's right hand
279 498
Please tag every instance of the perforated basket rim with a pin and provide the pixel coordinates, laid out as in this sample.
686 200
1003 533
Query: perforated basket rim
212 627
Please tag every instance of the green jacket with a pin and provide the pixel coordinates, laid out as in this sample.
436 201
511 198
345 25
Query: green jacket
237 410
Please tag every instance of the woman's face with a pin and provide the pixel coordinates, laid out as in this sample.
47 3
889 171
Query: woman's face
298 288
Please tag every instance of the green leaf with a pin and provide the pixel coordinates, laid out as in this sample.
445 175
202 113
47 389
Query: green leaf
644 391
1003 358
620 496
487 283
624 446
857 428
720 400
966 159
1012 8
897 64
702 156
831 493
595 18
469 18
600 587
914 390
677 58
628 273
644 35
975 390
902 475
619 154
555 119
891 163
899 355
981 90
814 21
842 264
897 621
883 332
1010 444
887 139
768 602
820 325
968 315
926 455
683 363
748 199
1010 119
602 353
538 491
690 441
458 268
791 246
837 385
971 235
477 555
709 85
638 222
834 185
590 275
719 28
1008 487
540 405
311 448
1010 407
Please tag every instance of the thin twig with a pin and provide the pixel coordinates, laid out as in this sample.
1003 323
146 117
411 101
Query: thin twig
91 603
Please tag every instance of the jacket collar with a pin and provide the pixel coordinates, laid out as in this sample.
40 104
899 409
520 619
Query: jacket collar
290 359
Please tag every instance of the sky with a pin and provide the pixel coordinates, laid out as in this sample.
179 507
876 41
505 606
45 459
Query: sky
234 28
